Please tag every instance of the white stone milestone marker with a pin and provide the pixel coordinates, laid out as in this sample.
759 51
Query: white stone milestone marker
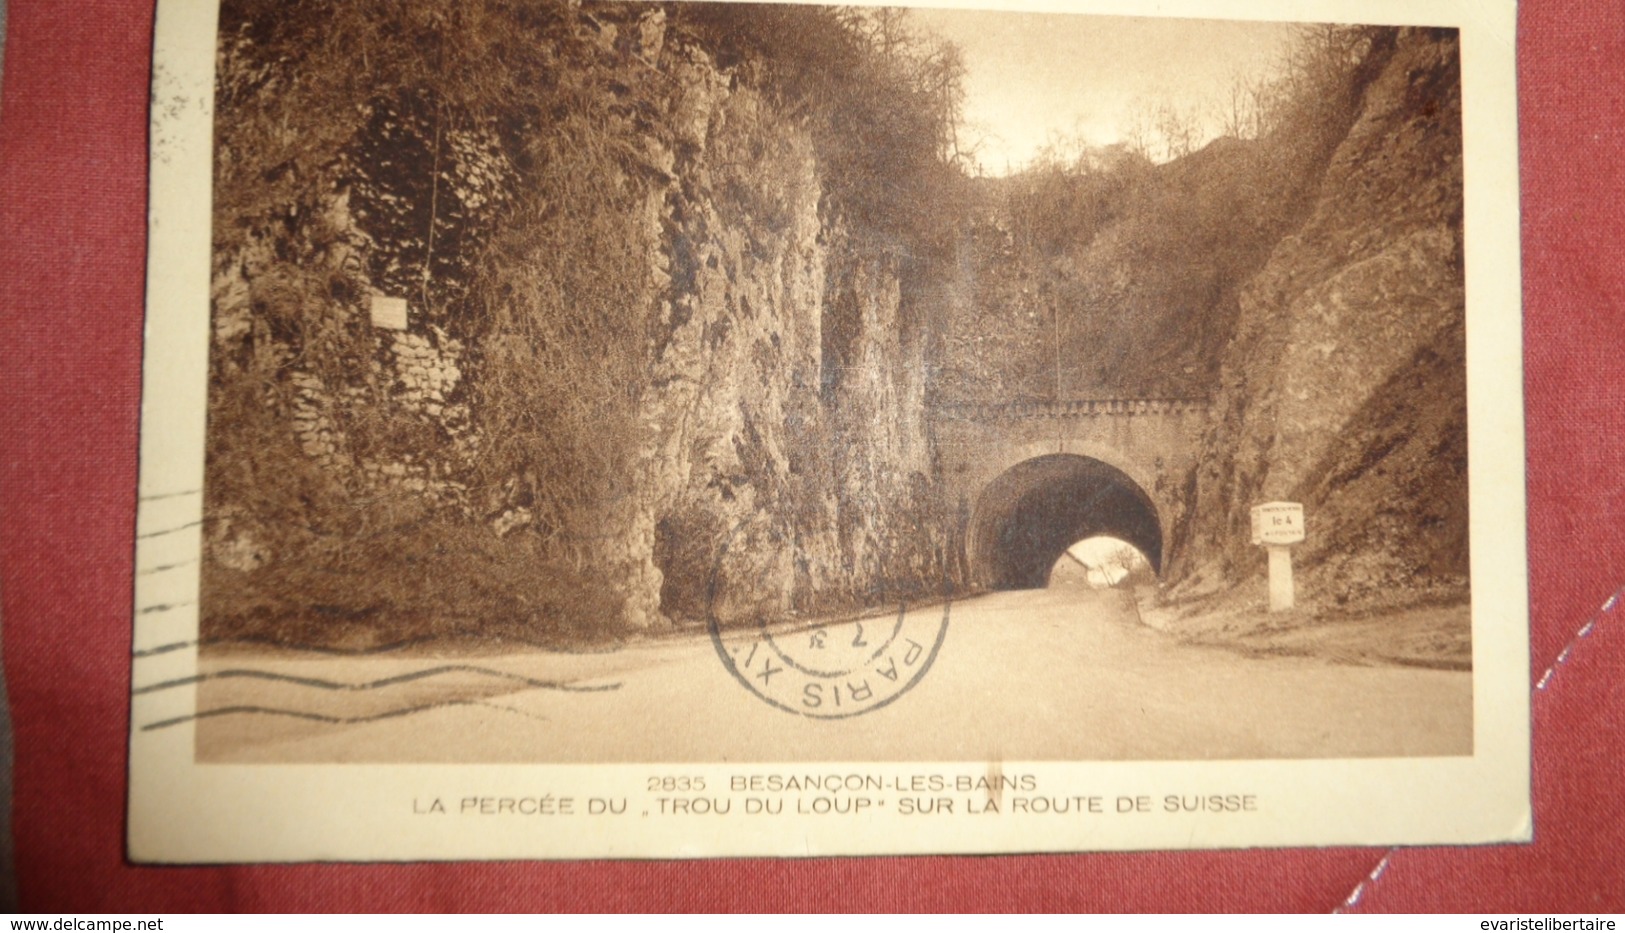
1278 526
389 313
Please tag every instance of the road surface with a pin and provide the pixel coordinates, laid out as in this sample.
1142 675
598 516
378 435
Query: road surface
1062 674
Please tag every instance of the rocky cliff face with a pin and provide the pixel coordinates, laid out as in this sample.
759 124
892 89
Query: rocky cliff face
1116 278
1343 385
786 463
755 372
611 331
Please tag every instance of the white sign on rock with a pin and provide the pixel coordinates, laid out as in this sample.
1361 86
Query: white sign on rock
389 313
1278 523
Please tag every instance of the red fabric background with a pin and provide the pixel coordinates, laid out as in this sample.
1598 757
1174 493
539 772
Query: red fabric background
72 202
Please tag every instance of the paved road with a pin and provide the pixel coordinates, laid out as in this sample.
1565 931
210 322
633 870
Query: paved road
1063 674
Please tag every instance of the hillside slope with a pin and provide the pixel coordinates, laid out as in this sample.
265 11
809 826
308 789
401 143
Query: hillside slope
1343 387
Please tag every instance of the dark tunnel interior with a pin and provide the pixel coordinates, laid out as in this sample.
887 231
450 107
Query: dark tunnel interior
1029 516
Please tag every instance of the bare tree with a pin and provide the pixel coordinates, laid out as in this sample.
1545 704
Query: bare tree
1180 129
1237 111
1141 130
888 30
1263 99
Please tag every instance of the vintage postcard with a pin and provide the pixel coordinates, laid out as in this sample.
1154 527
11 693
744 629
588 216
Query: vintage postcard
599 428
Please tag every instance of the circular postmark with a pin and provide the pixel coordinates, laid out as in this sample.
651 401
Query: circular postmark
833 668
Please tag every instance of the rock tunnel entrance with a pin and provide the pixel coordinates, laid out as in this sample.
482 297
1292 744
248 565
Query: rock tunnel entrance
1027 518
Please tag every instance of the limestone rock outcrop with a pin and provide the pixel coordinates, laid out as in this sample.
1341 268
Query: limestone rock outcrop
769 381
1343 387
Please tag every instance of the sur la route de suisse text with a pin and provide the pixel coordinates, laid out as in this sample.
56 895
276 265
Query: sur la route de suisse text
855 793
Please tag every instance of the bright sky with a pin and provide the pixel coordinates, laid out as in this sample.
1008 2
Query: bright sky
1032 75
1097 550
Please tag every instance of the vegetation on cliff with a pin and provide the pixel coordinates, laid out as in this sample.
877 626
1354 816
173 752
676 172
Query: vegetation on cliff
552 190
1304 275
556 320
1098 273
1343 386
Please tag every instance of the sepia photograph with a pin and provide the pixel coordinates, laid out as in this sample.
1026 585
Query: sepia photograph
837 414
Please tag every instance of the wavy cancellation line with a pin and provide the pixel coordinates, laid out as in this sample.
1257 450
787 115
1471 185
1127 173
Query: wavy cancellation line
370 650
334 720
321 684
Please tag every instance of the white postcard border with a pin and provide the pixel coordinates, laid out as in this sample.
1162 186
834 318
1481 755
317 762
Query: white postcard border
182 811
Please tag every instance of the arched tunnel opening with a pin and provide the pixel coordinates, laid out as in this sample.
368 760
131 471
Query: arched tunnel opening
1027 518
